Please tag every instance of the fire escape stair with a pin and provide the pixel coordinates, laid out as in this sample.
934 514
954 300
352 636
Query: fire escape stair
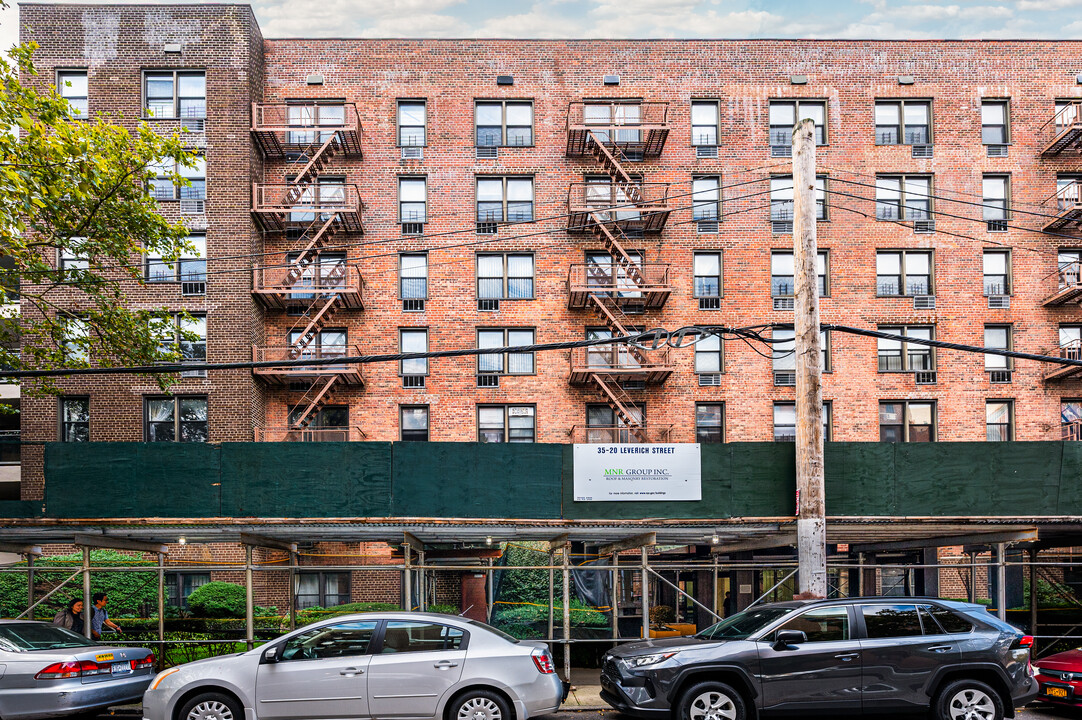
621 403
318 395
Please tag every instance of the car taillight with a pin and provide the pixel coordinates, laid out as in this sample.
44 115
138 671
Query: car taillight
143 664
81 668
543 660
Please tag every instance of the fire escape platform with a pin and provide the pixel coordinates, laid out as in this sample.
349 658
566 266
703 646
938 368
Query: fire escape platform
1064 295
317 434
651 374
272 286
633 126
1063 372
285 129
346 373
281 206
612 434
588 202
645 287
1069 137
1071 214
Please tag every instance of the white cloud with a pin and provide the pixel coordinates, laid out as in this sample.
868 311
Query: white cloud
344 18
539 22
1043 5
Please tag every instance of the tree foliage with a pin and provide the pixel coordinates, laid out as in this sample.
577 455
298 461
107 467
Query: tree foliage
78 187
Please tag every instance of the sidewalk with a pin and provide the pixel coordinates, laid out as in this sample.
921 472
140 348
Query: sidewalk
585 691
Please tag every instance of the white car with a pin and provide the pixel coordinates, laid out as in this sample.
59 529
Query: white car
368 665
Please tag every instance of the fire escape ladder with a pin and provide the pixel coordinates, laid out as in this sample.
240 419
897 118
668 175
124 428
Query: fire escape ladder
315 243
610 234
608 156
317 396
324 307
617 321
621 402
314 159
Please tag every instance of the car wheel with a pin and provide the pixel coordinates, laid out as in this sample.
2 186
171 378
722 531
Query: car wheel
711 701
968 700
211 706
479 705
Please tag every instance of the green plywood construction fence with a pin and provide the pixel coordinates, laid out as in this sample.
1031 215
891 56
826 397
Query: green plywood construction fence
476 480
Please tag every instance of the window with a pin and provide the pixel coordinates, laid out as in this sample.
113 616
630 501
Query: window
412 119
783 350
192 350
1069 267
75 419
900 356
413 276
781 198
313 114
999 420
413 341
162 186
347 639
322 589
903 272
191 266
706 198
707 268
412 197
785 114
902 421
890 621
325 343
781 273
1070 413
903 122
504 123
604 426
997 272
995 128
1070 341
506 423
329 191
503 199
829 624
326 417
1067 194
785 421
178 586
419 636
69 258
176 419
704 122
617 121
709 355
414 422
508 277
709 422
998 337
175 94
1066 113
72 86
996 201
505 363
903 197
76 333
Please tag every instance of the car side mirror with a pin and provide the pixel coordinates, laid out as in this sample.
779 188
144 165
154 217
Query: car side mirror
787 638
270 655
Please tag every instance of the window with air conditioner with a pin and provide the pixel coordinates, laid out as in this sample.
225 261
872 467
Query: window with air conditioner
782 283
412 201
903 356
995 122
903 197
504 123
190 267
903 122
998 337
504 199
996 201
505 276
412 123
903 273
997 272
505 363
175 94
704 123
785 114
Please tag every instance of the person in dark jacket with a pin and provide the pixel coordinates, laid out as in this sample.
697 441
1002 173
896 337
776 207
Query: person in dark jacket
71 617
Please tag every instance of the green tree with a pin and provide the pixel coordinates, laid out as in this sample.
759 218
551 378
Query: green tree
78 187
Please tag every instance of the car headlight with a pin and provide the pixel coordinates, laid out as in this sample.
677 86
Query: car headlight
643 660
162 676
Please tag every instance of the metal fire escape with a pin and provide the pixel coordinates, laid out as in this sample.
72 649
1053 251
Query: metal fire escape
313 285
616 134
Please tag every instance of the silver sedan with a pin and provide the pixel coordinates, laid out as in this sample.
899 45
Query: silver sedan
50 671
369 665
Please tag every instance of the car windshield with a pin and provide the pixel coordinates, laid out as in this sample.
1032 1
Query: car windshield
38 636
501 633
743 625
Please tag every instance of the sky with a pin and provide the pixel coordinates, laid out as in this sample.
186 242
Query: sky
867 19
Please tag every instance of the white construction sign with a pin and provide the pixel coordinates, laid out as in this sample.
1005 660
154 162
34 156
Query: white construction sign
662 471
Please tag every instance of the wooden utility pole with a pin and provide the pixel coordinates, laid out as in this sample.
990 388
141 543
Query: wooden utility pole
811 504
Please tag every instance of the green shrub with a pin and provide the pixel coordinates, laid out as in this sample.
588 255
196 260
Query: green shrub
218 600
524 585
582 615
661 614
446 609
312 614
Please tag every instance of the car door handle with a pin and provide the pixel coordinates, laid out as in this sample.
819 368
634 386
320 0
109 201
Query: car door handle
351 671
941 648
445 665
847 656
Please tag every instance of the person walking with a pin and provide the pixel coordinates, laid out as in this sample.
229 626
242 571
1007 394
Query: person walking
100 618
71 617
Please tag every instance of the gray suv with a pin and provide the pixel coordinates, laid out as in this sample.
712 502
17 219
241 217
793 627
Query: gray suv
851 656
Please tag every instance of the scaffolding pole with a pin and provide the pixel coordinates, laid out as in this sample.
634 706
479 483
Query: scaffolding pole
30 585
645 593
567 612
86 592
161 609
615 595
249 600
1001 581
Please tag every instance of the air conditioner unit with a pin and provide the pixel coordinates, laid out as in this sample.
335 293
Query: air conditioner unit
193 125
710 303
999 377
781 227
192 207
924 302
707 226
634 155
706 152
633 385
488 305
487 228
924 226
925 377
487 153
785 378
997 226
784 303
709 379
999 302
488 380
413 228
188 287
922 151
413 305
193 373
413 381
781 151
412 152
997 150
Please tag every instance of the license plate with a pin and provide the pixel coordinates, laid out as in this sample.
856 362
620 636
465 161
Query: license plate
121 668
1056 692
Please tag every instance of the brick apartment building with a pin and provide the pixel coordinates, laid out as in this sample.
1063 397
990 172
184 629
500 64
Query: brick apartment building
377 196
